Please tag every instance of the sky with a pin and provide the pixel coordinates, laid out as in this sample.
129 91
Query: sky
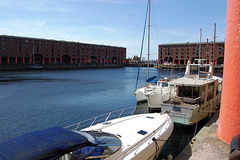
115 22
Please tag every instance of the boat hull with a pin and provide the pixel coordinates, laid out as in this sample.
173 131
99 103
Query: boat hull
140 97
187 115
141 93
157 97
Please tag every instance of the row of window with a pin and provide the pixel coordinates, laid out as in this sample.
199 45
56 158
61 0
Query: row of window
188 53
177 57
192 45
188 49
58 43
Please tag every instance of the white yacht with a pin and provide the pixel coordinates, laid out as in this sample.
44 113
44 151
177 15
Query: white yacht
132 137
197 96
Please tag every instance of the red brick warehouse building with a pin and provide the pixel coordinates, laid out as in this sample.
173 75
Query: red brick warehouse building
25 50
180 53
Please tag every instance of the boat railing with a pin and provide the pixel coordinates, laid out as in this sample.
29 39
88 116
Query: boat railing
103 118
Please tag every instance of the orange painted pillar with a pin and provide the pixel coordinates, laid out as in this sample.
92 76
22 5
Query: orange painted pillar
229 118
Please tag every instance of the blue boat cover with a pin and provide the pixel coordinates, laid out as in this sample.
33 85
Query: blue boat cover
151 78
50 143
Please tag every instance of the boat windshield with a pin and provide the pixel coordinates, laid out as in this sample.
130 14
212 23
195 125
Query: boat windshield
162 84
107 145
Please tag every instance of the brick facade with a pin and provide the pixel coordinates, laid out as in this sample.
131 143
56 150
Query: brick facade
16 50
180 53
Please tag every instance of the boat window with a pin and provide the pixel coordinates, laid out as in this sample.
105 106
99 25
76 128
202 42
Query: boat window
188 91
210 91
164 84
84 151
106 144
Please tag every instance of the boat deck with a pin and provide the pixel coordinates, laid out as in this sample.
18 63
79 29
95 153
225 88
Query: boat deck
179 101
191 81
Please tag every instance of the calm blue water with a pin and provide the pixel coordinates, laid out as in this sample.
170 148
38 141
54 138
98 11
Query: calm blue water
37 100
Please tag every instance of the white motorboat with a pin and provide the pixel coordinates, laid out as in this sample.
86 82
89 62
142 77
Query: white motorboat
161 93
197 96
132 137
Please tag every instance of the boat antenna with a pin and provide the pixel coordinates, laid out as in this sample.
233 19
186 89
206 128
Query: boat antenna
139 63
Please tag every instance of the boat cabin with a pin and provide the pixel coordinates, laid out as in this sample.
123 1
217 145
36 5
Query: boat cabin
197 92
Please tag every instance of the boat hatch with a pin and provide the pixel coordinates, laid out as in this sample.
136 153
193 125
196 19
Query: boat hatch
142 132
150 117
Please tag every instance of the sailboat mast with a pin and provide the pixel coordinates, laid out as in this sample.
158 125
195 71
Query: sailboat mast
149 2
200 44
214 41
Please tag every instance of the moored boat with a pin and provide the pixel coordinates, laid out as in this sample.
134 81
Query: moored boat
132 137
197 96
